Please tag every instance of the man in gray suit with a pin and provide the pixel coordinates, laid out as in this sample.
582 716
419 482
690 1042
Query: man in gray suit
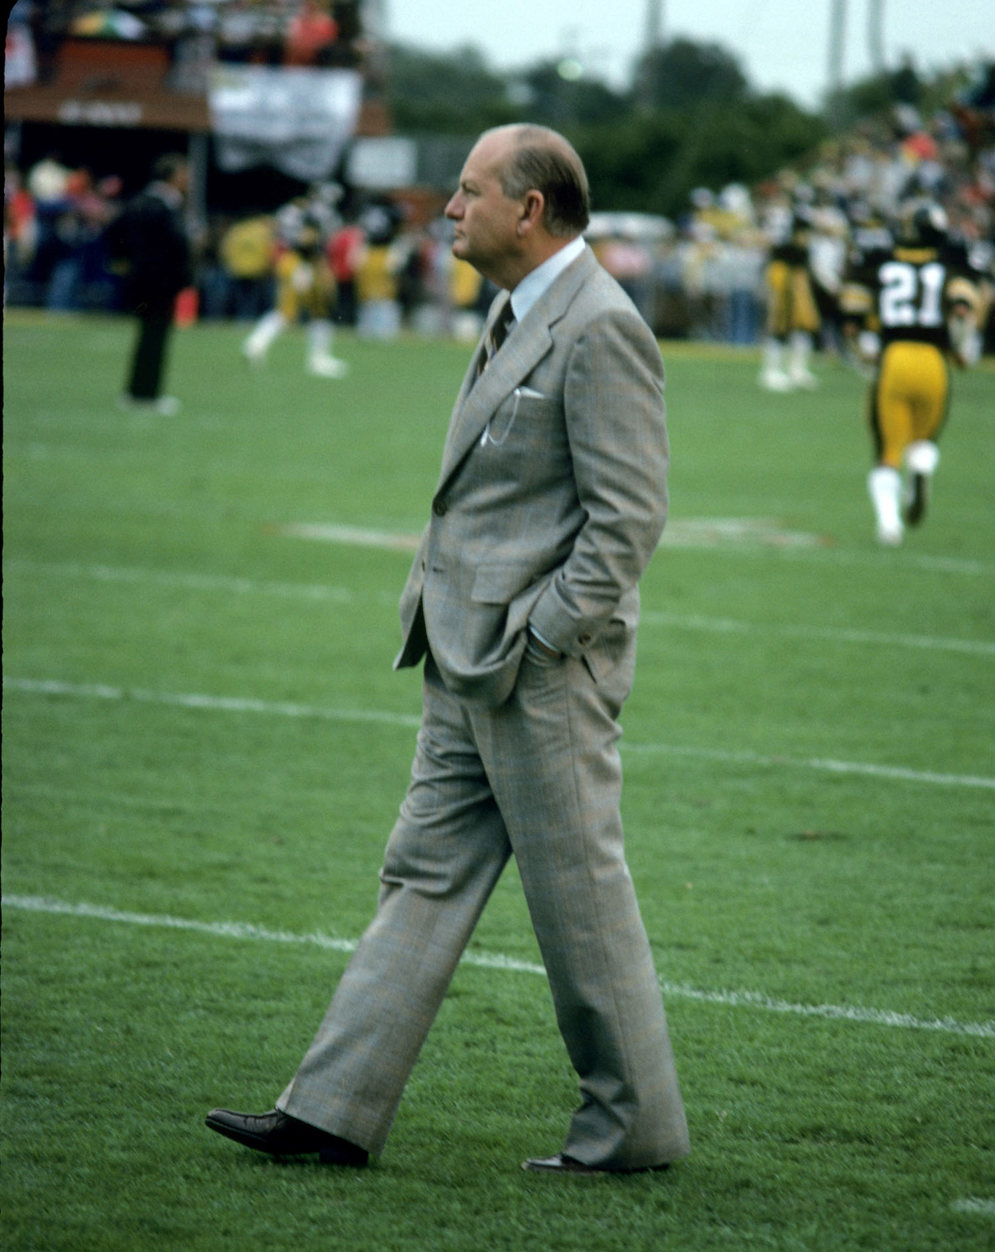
523 602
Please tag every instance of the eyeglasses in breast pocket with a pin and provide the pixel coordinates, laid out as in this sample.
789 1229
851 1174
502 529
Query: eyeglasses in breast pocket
499 427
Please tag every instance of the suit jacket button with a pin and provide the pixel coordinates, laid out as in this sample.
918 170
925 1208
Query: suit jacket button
584 640
439 507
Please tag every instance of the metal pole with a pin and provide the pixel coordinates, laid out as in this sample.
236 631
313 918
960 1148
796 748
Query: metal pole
652 42
837 40
875 35
654 24
196 206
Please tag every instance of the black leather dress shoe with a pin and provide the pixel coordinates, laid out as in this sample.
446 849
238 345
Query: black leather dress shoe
282 1135
563 1164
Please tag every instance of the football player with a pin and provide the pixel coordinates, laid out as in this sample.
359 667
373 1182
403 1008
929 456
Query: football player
792 314
914 307
305 286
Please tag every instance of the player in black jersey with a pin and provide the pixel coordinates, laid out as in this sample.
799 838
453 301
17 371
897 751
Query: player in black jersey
915 306
792 312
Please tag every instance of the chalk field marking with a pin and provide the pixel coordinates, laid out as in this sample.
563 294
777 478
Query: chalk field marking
496 961
215 704
709 532
725 532
898 773
322 593
356 536
746 535
238 704
190 582
974 1205
832 634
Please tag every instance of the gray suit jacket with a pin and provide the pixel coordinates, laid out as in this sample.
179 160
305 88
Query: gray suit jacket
552 493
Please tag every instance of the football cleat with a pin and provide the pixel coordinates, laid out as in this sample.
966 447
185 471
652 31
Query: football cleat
328 367
889 536
774 380
802 378
917 500
884 485
921 460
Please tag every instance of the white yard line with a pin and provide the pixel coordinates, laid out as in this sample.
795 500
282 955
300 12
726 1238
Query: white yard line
826 765
496 961
241 704
319 592
831 634
215 704
976 1206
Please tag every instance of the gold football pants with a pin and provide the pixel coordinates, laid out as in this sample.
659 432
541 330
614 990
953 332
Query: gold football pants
304 288
909 398
790 303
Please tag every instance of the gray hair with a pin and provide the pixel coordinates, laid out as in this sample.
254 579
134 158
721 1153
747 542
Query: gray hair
542 160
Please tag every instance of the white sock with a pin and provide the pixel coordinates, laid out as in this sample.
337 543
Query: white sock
266 330
885 487
801 353
922 457
773 349
319 338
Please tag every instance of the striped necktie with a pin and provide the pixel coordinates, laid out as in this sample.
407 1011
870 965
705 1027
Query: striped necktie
496 336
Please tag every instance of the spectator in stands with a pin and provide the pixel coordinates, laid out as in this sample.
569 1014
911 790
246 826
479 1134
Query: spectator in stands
237 32
734 277
78 277
20 230
311 33
47 184
629 262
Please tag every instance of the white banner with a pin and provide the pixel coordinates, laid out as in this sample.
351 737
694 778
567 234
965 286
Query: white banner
382 164
296 119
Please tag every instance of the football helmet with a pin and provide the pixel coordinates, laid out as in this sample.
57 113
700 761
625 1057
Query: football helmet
923 223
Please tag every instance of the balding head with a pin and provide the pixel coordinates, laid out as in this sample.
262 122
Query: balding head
541 159
522 197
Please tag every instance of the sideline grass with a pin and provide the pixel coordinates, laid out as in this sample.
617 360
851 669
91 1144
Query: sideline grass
782 660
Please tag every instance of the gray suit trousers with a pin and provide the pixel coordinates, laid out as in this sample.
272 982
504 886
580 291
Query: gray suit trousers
539 778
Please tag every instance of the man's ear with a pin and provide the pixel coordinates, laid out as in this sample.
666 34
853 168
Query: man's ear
533 207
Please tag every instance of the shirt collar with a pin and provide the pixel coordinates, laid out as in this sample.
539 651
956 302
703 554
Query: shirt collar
543 276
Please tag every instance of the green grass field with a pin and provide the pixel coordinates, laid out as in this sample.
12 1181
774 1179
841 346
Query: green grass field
205 747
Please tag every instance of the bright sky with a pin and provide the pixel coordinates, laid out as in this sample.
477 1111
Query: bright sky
780 44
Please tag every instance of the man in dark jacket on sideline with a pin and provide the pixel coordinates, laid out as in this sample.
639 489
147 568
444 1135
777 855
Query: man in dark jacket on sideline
151 242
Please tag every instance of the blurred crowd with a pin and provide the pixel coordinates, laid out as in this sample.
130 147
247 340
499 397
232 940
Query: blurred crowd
701 277
385 275
707 278
322 33
55 237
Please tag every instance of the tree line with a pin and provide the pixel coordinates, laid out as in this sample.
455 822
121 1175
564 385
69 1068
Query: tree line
689 118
